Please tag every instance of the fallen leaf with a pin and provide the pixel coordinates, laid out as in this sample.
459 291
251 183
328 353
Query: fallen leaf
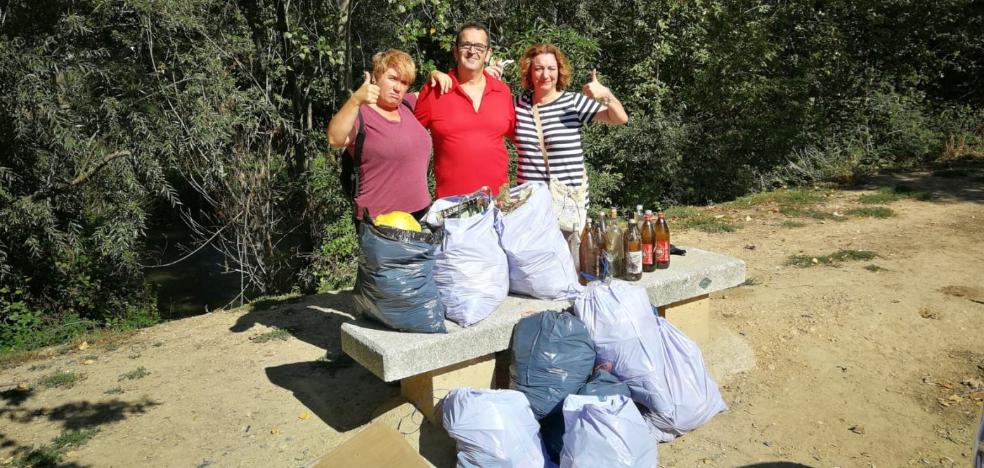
275 431
83 346
88 362
23 386
955 398
856 429
304 416
748 218
814 260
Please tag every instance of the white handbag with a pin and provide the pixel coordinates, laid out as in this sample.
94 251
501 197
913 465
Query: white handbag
569 203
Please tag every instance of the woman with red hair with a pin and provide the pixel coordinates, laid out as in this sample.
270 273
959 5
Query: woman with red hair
545 73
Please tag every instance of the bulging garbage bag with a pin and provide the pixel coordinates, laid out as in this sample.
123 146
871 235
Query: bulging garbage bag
606 431
603 383
493 428
471 270
662 367
552 357
540 261
395 281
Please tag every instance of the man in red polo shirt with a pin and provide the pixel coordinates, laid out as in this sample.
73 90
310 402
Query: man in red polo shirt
469 122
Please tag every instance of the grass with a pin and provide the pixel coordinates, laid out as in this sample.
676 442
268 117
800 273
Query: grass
72 438
114 391
891 194
871 212
690 217
135 374
795 196
51 454
874 268
840 256
275 334
59 379
792 224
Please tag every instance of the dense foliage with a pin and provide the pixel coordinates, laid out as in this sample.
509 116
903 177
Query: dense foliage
117 115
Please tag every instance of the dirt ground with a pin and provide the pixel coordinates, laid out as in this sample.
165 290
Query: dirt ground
869 363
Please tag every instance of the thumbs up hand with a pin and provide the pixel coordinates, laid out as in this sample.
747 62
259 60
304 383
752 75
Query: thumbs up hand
595 90
367 93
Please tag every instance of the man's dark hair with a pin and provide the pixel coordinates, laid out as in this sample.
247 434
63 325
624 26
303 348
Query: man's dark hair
474 25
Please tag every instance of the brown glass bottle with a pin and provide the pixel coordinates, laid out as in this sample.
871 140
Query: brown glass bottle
588 255
632 241
661 251
648 241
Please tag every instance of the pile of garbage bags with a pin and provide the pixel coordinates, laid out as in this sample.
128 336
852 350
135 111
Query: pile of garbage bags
468 257
602 384
663 368
598 384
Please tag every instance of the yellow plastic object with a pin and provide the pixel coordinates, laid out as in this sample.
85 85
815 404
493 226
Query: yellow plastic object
398 220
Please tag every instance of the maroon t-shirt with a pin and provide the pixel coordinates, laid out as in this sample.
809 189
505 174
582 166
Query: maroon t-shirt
469 150
395 155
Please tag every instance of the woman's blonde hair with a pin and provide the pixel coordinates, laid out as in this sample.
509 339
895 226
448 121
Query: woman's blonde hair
397 60
563 66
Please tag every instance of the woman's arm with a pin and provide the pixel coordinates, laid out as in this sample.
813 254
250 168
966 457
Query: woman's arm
342 123
611 111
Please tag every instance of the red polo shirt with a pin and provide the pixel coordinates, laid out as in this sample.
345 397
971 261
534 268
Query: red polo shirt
468 146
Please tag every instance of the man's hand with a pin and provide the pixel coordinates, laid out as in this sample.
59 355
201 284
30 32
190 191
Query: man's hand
595 90
441 81
368 93
497 68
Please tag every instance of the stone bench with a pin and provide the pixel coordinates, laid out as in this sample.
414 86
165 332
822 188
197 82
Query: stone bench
430 365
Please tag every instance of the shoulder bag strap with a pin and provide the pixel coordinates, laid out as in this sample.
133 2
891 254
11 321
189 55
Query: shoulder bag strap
360 140
539 134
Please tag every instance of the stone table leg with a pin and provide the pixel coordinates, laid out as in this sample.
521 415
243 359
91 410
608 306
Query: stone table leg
691 317
427 390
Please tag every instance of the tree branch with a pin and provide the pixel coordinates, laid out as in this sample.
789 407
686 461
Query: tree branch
78 180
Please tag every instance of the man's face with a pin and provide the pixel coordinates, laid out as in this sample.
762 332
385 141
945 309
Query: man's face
472 50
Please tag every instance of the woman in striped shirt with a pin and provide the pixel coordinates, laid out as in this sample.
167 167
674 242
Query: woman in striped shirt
545 72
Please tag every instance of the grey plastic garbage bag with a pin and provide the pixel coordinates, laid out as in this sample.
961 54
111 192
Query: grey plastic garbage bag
552 357
603 384
540 261
605 431
493 428
395 280
471 270
662 367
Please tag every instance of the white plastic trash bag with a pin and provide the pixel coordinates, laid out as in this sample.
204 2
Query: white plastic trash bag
470 270
493 428
662 367
605 431
540 261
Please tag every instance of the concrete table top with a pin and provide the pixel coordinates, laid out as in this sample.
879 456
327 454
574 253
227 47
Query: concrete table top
393 355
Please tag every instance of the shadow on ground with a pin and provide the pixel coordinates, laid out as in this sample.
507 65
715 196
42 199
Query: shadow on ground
81 414
952 181
776 465
344 395
74 416
315 319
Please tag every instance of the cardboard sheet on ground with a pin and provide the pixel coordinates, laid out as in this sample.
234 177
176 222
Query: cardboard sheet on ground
377 446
